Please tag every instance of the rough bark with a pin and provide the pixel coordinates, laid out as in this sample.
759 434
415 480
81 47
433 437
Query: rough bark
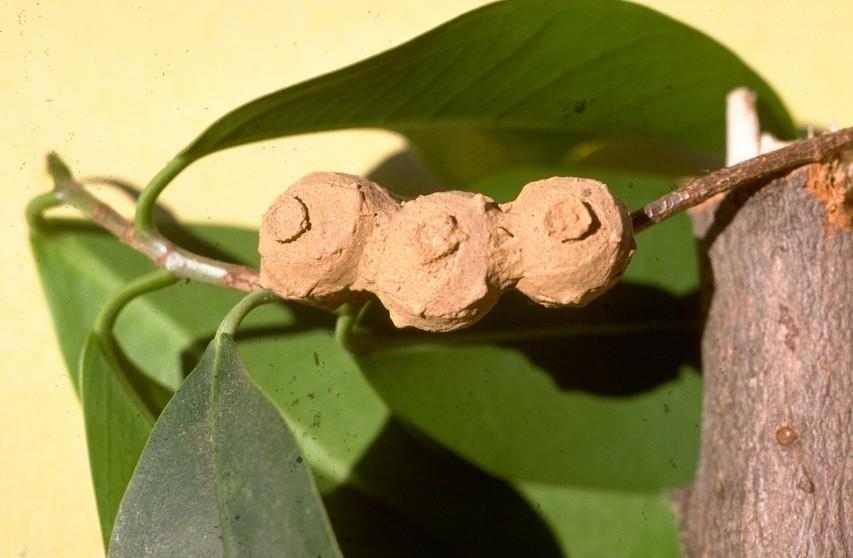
775 476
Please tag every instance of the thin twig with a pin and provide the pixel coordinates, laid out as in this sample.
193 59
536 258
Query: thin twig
749 172
185 264
159 249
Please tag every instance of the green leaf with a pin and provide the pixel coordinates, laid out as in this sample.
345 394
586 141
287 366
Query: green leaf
57 168
99 266
519 419
222 475
521 82
596 523
78 273
327 401
596 397
117 425
164 333
371 470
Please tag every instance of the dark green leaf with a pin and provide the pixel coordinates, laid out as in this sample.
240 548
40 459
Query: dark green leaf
117 426
520 82
222 475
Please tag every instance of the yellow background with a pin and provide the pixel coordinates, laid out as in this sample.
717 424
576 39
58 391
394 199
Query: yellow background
118 87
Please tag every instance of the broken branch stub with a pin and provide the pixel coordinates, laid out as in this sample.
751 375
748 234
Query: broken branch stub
441 261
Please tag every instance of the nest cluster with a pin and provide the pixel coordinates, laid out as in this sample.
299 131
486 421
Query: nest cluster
441 261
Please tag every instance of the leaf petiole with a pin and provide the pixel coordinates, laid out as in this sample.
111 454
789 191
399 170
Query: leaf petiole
248 303
346 326
39 205
151 282
143 219
102 336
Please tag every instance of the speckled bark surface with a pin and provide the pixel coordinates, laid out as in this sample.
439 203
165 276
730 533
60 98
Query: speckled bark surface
775 477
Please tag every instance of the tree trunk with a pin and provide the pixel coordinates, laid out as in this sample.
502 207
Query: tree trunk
775 476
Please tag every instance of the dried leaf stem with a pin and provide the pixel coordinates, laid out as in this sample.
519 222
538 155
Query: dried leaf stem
749 172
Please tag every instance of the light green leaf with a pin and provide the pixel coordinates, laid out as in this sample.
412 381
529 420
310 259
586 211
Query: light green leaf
512 417
596 397
520 82
81 267
117 425
222 475
596 523
77 282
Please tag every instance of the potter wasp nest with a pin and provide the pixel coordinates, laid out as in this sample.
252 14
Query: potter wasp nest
441 261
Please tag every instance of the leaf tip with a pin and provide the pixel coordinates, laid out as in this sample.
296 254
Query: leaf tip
57 168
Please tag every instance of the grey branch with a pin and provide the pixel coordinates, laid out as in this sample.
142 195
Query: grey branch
752 171
159 249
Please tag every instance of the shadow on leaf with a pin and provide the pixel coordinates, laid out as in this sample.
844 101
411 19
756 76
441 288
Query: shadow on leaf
470 512
405 176
628 341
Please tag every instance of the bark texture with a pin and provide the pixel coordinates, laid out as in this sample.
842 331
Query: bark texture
775 477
